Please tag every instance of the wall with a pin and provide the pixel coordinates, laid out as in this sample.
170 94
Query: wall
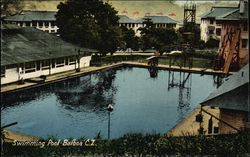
238 119
227 46
13 75
205 23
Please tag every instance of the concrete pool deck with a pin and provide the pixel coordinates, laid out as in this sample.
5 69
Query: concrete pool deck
11 136
13 87
189 126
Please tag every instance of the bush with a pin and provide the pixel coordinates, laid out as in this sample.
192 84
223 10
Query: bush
212 43
142 145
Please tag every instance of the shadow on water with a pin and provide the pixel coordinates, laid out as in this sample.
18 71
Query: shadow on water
182 81
153 71
92 93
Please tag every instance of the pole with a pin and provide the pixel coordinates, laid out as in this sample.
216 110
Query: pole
109 126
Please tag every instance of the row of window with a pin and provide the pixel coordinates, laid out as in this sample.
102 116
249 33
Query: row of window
36 23
217 31
42 65
47 64
132 25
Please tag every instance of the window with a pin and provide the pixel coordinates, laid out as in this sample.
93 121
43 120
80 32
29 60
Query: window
46 24
3 71
52 31
28 23
211 21
38 65
244 43
66 61
72 60
30 67
40 24
218 31
211 31
52 23
45 64
59 62
34 24
245 27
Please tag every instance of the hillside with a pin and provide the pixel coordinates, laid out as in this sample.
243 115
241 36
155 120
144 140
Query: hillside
137 9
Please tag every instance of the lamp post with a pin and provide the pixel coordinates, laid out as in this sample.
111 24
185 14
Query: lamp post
110 109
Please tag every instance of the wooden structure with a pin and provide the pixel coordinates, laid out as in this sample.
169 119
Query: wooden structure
233 50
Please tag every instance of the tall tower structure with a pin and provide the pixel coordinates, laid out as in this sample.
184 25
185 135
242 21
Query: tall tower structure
189 22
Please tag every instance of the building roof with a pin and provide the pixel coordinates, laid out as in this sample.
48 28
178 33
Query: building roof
228 13
27 44
126 19
217 11
233 93
161 19
155 19
33 16
235 14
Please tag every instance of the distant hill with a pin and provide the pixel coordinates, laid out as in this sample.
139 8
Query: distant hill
137 9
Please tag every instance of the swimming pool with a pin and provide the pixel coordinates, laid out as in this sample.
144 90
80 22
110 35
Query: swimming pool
144 100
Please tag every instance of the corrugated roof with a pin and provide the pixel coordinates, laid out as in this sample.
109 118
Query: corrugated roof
236 14
218 11
161 19
33 16
29 44
155 19
126 19
233 93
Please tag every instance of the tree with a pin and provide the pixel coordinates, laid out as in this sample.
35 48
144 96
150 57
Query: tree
157 38
11 7
129 38
187 38
91 23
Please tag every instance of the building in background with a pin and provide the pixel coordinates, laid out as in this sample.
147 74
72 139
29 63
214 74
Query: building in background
28 53
46 21
158 21
42 20
234 44
210 28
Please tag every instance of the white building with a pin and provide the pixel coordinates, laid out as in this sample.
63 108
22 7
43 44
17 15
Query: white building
28 53
135 24
46 21
42 20
210 28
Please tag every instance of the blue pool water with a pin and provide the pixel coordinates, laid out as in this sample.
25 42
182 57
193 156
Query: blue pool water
147 101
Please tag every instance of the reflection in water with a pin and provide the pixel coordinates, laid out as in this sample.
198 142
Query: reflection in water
79 94
153 71
78 107
183 82
218 79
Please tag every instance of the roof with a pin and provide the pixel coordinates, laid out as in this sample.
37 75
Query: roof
217 11
236 14
29 44
228 13
161 19
33 16
155 19
126 19
233 93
